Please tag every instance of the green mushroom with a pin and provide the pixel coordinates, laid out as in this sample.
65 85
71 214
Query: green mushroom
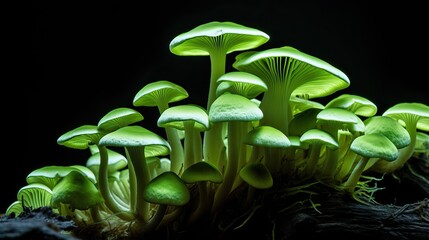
368 146
167 189
414 117
257 176
33 196
139 144
202 174
237 112
288 72
216 39
76 191
160 94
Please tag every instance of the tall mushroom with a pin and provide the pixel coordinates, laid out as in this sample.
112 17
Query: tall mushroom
236 111
193 120
139 144
160 94
216 40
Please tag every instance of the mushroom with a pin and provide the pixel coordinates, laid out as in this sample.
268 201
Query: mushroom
265 140
317 139
368 146
77 192
257 176
139 144
237 112
241 83
288 72
357 104
338 122
81 138
414 117
216 40
193 120
50 175
165 190
202 173
33 196
160 94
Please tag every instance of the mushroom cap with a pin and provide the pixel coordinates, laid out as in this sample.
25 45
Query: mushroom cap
50 175
233 107
256 175
176 116
316 77
201 172
299 105
80 137
390 128
242 83
76 190
118 118
358 105
410 112
374 145
137 136
116 161
167 189
318 136
160 91
266 136
304 121
35 195
230 36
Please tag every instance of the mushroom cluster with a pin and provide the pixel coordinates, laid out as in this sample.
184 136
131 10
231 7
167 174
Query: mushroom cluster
262 127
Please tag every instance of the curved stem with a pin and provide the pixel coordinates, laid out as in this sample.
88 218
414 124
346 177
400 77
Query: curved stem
103 184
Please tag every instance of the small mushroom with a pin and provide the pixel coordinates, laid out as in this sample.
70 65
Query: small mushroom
76 191
202 173
241 83
33 196
167 189
357 104
193 120
414 117
368 146
257 176
316 139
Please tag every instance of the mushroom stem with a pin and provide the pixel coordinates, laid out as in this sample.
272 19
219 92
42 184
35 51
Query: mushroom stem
141 169
213 142
103 184
231 166
353 179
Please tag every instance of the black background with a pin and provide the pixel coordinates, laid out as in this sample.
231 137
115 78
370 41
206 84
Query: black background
69 63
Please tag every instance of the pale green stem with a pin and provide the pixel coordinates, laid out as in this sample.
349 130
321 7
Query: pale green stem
173 138
231 166
189 144
213 142
141 169
313 158
103 183
203 203
354 177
